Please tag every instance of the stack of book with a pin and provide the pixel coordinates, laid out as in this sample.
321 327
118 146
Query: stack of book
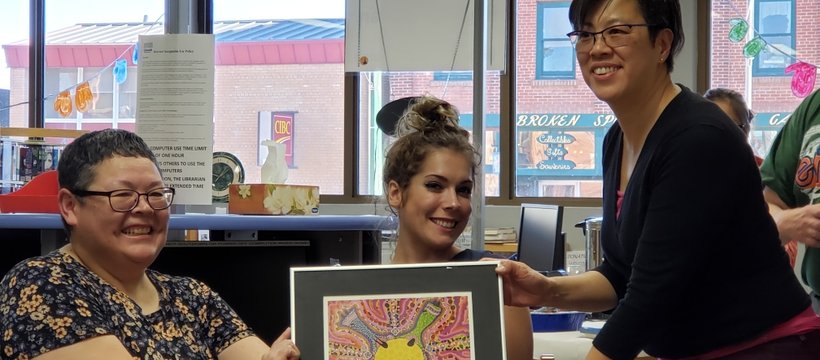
500 240
499 235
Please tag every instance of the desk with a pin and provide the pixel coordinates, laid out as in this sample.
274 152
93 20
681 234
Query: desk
351 239
566 345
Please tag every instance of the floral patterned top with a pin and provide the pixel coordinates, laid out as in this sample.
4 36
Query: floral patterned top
52 301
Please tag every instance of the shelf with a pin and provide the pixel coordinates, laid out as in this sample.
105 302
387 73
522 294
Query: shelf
502 248
224 222
41 133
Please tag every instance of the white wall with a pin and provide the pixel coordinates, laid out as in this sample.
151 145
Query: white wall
686 64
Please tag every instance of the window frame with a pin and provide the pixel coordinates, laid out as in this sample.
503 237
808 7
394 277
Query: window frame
540 74
758 71
351 116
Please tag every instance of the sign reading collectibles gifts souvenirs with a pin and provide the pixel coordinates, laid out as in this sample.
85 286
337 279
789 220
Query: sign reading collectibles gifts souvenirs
397 312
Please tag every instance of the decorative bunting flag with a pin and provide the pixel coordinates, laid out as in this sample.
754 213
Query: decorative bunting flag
805 74
62 104
120 71
83 97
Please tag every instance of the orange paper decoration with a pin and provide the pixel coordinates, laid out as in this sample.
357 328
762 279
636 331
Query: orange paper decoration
62 104
83 97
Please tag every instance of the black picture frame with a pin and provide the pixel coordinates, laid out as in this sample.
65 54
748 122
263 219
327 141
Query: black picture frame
323 300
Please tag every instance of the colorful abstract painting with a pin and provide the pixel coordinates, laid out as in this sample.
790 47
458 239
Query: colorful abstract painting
406 327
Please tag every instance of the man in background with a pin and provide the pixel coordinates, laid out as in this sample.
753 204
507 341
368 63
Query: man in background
791 179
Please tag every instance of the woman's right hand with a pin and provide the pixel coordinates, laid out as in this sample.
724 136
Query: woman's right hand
523 286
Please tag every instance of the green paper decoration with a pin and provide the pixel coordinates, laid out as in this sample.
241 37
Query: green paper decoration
754 47
739 29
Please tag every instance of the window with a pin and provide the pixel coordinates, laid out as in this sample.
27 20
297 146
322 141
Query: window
282 60
338 146
555 57
14 83
774 22
786 25
379 88
106 93
82 47
558 129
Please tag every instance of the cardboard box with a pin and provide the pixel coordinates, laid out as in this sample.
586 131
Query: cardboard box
273 199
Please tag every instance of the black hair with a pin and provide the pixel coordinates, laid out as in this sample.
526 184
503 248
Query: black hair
76 168
661 14
734 99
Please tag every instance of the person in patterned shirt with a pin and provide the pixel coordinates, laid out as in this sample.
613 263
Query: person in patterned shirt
95 298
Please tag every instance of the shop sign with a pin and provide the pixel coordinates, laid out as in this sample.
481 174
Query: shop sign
536 122
555 151
559 138
771 120
541 122
556 165
283 133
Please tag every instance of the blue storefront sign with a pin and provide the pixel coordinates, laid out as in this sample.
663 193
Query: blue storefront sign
554 145
770 121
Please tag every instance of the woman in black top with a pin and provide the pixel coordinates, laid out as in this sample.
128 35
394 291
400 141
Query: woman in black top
693 265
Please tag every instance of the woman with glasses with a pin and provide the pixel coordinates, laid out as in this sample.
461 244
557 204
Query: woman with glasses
693 266
95 298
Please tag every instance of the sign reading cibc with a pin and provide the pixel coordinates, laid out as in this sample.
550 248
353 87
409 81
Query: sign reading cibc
283 133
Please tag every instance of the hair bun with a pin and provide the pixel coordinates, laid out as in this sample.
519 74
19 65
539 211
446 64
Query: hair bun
427 113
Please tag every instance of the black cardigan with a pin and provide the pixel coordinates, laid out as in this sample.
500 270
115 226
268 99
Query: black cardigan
694 257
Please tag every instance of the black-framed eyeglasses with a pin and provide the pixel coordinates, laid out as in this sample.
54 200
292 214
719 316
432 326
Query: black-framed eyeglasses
613 36
125 200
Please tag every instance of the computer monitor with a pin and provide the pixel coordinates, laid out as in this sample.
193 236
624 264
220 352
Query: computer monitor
540 240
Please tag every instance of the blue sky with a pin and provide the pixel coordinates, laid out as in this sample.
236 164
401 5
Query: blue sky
14 15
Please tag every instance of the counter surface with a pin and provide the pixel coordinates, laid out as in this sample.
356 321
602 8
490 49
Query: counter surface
224 222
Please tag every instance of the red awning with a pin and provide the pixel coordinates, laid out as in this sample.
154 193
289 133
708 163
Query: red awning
325 51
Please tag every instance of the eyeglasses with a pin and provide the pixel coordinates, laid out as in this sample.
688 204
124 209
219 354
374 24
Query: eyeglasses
613 36
125 200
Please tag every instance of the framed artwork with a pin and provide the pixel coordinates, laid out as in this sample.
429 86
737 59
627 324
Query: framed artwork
409 312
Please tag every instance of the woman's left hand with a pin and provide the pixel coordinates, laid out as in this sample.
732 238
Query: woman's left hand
283 348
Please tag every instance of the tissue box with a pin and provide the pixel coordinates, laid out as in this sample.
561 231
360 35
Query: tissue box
273 199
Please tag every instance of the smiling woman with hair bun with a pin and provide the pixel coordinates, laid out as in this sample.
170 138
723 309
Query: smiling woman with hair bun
428 176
